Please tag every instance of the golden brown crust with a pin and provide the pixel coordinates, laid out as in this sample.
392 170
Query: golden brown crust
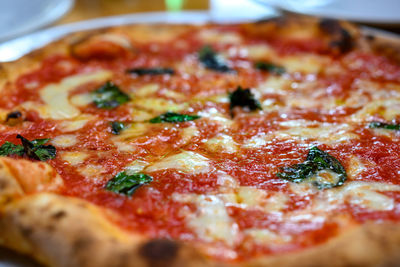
66 231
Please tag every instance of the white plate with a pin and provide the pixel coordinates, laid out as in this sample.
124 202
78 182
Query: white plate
18 17
367 11
14 49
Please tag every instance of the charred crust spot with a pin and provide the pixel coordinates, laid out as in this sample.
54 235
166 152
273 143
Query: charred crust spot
344 43
3 184
330 26
81 243
370 37
58 215
159 250
14 115
26 231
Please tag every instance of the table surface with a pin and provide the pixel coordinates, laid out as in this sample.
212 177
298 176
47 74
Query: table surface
89 9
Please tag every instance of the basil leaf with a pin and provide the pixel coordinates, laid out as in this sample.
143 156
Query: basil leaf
243 98
266 66
151 71
317 160
387 126
173 117
125 184
109 96
36 149
8 149
117 127
211 60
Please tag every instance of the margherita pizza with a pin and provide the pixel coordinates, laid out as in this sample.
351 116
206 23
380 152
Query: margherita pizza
274 143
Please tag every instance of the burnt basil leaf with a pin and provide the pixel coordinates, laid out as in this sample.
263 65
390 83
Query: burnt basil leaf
117 127
151 71
266 66
174 117
109 96
317 160
387 126
127 184
36 149
243 98
211 60
8 149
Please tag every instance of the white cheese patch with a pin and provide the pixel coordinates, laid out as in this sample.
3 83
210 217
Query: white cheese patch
274 85
81 100
257 141
305 63
147 90
74 157
222 143
389 109
158 104
188 133
259 51
267 237
135 166
186 161
215 116
74 124
210 221
65 140
92 171
323 132
214 36
56 99
117 39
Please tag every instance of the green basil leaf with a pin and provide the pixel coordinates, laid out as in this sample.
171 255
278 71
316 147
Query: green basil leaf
387 126
109 96
36 149
243 98
317 160
8 149
266 66
151 71
211 60
174 117
125 184
117 127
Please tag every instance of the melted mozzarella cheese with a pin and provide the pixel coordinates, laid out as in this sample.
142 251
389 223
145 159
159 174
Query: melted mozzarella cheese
55 96
135 166
92 171
186 161
65 140
210 221
257 141
188 133
214 36
81 100
73 157
307 63
389 109
158 104
215 116
147 90
222 143
74 124
267 237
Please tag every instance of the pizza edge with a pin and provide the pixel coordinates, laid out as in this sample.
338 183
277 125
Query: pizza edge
67 231
30 223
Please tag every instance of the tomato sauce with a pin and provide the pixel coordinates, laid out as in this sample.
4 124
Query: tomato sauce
152 210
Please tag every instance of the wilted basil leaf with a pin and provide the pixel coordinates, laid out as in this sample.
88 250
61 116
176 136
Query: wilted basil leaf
125 184
243 98
173 117
211 60
36 149
266 66
151 71
109 96
387 126
317 160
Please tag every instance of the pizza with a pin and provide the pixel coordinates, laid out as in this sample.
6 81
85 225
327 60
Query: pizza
273 143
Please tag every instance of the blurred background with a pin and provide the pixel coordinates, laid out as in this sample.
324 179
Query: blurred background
19 17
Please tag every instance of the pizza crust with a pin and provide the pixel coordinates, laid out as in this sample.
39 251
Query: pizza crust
66 231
